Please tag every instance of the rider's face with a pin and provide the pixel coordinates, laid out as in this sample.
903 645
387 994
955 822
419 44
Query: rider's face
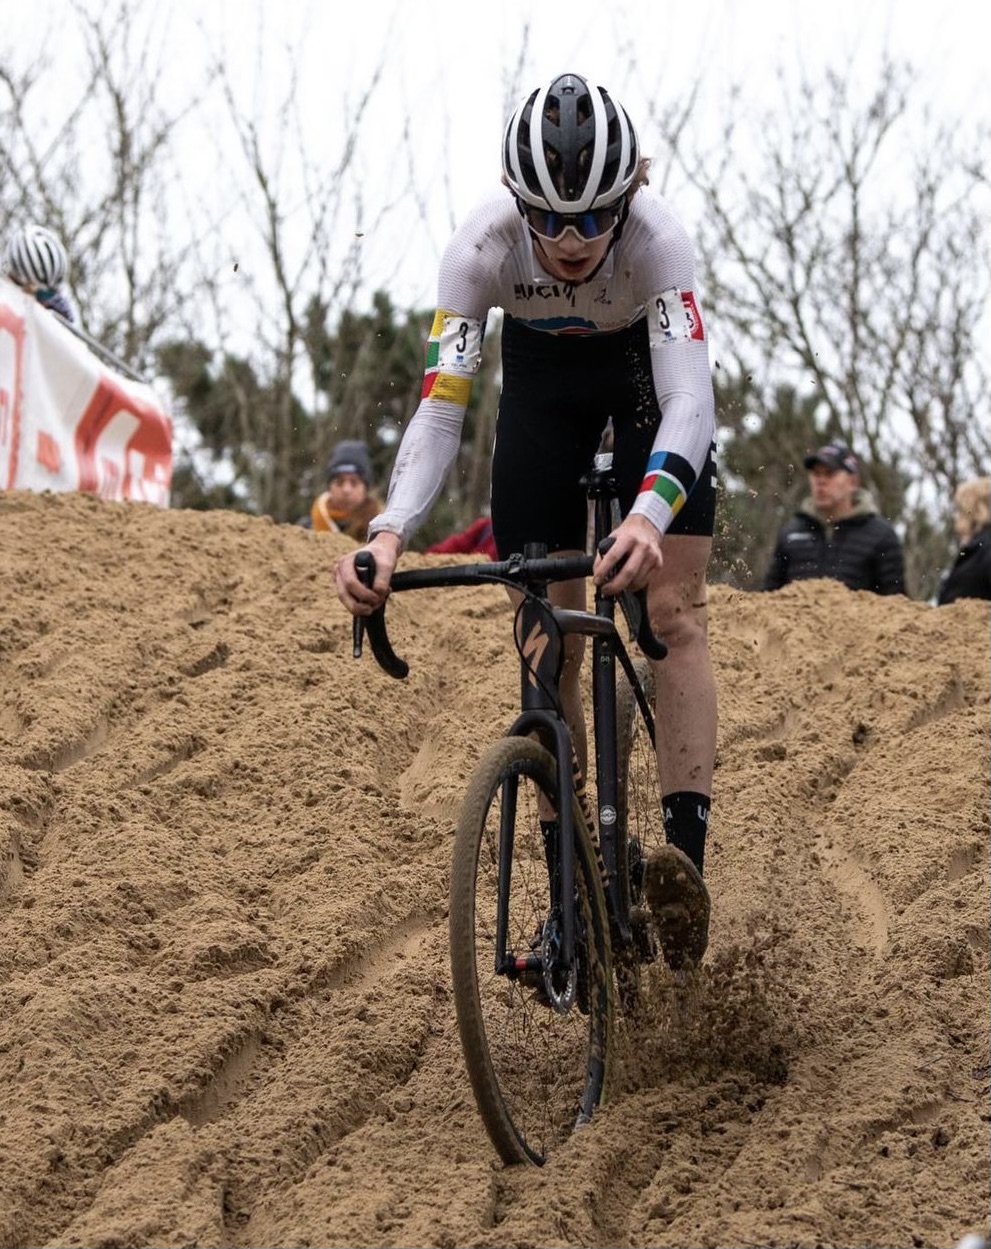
570 257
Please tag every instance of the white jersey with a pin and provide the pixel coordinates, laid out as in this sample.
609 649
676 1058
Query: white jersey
490 262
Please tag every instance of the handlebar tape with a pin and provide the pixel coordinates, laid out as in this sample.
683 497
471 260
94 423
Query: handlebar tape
374 625
634 605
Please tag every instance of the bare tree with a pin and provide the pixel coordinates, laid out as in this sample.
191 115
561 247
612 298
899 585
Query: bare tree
100 171
846 252
300 208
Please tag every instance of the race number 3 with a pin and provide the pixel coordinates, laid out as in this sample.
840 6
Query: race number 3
460 345
677 317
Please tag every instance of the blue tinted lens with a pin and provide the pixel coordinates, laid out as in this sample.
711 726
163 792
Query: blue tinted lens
589 225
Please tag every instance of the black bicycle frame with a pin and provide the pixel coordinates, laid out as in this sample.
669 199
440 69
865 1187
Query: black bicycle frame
541 628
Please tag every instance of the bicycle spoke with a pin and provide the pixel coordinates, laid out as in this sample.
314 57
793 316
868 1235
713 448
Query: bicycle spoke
535 1069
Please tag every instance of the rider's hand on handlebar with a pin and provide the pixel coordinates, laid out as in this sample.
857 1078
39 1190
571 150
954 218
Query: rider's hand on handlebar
637 544
359 599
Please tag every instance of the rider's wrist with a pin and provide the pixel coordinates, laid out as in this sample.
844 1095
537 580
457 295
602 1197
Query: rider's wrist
654 510
386 537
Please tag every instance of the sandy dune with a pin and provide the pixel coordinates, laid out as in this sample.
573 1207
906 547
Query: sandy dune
225 1013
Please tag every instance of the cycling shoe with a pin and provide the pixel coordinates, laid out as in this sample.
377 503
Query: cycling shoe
679 901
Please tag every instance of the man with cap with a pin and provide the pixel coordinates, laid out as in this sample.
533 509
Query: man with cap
348 504
837 531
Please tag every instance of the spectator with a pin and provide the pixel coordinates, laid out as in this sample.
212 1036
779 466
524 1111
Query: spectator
970 575
837 531
37 262
348 504
476 539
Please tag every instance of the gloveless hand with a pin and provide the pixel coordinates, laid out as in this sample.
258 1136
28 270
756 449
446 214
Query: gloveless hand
358 598
639 542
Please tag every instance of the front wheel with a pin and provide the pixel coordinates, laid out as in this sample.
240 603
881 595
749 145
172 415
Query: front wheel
536 1041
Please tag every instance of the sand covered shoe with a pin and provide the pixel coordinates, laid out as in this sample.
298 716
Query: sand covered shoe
679 901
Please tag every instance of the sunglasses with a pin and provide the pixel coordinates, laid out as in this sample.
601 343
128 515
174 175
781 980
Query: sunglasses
588 225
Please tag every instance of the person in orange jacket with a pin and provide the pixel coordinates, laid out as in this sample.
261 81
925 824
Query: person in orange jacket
348 504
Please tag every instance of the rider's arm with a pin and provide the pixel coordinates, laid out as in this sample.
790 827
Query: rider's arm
431 440
679 355
430 443
425 456
454 353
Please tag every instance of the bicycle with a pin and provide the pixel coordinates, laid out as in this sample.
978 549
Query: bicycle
548 925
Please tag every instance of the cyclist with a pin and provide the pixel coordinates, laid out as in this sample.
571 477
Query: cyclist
596 279
37 262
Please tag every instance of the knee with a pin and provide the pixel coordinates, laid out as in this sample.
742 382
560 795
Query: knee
679 615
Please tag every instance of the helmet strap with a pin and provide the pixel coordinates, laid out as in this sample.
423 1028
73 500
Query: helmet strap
617 234
617 230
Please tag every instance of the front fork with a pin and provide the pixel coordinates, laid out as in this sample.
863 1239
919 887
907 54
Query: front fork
604 705
602 492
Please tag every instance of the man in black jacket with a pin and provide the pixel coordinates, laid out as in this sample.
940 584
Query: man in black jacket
837 532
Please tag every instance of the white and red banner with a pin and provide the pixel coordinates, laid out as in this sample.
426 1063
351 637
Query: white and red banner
70 422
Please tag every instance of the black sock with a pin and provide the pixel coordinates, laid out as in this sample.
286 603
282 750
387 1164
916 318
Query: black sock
686 822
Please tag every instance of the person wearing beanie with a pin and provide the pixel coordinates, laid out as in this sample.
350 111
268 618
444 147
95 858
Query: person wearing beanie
348 504
837 532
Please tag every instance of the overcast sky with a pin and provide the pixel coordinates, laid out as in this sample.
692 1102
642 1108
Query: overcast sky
448 69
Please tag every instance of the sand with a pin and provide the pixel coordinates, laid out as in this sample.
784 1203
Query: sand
225 1007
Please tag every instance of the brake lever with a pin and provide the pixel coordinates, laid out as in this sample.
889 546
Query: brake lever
634 607
604 547
374 625
364 567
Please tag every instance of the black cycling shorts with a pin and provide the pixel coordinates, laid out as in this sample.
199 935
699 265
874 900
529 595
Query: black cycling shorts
558 393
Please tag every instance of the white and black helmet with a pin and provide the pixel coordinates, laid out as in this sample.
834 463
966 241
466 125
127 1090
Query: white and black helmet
36 257
570 147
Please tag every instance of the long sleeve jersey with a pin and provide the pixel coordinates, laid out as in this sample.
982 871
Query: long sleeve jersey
490 262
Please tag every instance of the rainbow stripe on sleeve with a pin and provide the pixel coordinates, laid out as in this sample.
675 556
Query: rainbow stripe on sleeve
671 476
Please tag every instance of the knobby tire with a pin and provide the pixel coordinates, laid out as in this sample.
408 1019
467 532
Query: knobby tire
536 1073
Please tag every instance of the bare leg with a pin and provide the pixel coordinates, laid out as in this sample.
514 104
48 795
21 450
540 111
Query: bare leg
686 746
686 687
